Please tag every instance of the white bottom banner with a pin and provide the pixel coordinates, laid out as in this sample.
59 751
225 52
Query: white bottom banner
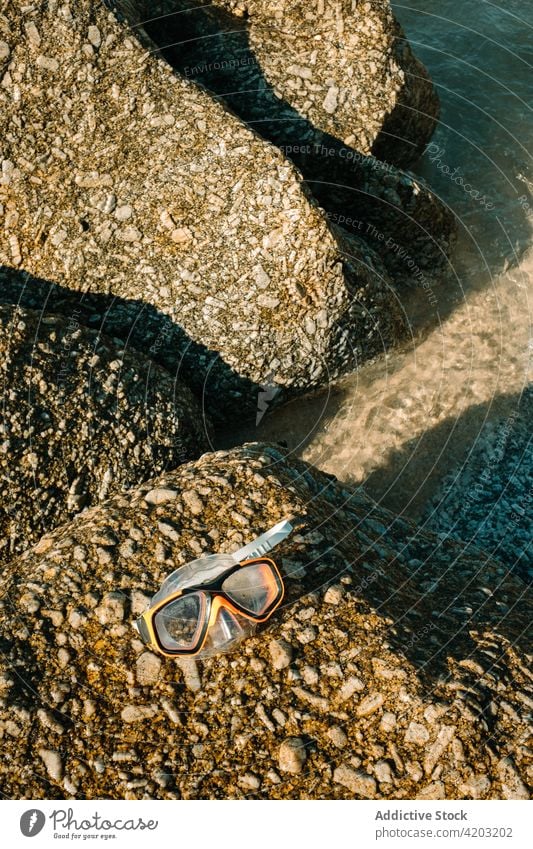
265 824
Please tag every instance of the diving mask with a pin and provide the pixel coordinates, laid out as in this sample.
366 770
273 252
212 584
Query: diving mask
209 604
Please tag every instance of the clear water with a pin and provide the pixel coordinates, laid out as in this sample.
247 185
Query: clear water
400 425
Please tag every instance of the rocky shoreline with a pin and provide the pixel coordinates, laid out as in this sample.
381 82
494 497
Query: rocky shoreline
167 264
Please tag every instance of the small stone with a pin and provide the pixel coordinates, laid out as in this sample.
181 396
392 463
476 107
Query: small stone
33 33
47 63
122 213
388 721
352 685
138 713
436 750
334 595
268 301
357 782
308 635
112 609
476 786
181 235
94 36
280 653
250 781
512 785
417 733
52 762
4 50
370 704
160 495
193 502
191 676
148 668
130 234
435 790
383 772
310 675
292 755
337 736
330 100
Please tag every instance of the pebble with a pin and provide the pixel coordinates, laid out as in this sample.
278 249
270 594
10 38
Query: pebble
250 781
436 750
112 609
512 785
352 685
477 786
47 63
280 653
334 595
122 213
4 50
191 675
435 790
337 736
292 755
138 713
383 772
417 733
388 721
160 495
53 763
359 783
94 36
193 501
148 668
370 704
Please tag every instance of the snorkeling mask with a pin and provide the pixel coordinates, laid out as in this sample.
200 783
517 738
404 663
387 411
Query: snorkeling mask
209 604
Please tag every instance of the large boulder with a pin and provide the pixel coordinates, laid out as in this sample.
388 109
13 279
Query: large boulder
123 179
342 69
395 669
82 416
336 87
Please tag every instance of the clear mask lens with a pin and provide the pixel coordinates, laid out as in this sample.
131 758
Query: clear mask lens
254 587
179 624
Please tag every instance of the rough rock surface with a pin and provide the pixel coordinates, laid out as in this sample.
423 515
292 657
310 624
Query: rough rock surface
406 674
345 67
82 416
278 66
123 179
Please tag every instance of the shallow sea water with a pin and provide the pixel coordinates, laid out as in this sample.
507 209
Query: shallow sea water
399 426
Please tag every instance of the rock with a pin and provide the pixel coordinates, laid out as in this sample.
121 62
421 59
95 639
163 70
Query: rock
370 704
345 119
417 733
352 685
512 785
357 782
436 750
148 667
337 736
66 617
138 713
292 755
334 595
138 137
53 763
160 495
280 653
55 462
386 90
383 772
477 787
